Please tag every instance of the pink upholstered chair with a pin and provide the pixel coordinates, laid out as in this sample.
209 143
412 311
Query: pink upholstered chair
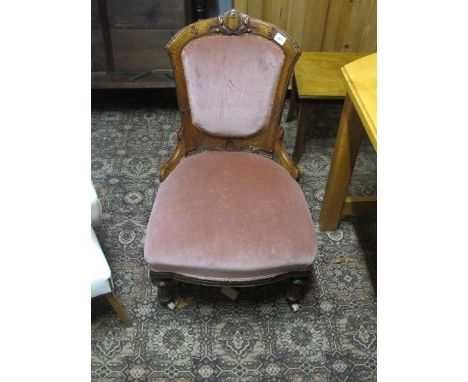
230 218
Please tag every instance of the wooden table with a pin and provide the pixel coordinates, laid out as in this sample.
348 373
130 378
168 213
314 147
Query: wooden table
316 79
359 115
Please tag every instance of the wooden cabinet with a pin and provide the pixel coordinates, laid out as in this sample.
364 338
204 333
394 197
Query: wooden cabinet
128 39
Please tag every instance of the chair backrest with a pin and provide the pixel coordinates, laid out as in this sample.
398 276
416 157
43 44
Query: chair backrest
231 75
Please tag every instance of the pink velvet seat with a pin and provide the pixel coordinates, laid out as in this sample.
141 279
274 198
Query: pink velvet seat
230 216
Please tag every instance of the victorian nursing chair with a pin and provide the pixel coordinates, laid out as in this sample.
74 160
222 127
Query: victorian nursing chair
230 218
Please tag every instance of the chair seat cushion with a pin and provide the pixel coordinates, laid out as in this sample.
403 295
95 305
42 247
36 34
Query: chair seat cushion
230 216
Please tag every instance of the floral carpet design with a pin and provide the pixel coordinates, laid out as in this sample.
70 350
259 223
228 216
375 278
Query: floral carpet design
333 337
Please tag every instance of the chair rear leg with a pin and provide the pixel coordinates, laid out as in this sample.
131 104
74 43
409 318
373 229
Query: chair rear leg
119 309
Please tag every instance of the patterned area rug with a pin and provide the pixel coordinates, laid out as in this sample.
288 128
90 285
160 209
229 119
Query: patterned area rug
257 337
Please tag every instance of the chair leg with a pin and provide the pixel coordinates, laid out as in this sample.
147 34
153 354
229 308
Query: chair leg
119 309
165 288
297 287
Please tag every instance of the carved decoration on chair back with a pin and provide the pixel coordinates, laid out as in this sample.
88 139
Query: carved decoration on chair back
233 22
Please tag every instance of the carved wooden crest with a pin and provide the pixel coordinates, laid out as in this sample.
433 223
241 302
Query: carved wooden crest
233 22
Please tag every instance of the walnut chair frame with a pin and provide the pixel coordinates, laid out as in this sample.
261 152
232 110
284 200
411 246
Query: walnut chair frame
268 141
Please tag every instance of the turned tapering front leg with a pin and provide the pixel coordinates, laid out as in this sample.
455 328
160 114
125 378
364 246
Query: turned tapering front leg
297 287
165 288
165 291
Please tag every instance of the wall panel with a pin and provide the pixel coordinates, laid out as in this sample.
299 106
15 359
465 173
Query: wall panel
349 25
321 25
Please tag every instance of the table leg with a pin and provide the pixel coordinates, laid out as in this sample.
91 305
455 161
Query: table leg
348 140
304 114
292 102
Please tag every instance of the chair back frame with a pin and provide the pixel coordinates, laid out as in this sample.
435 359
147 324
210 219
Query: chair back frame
269 139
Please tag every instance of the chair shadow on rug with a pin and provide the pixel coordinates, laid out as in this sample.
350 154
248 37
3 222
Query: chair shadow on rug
229 217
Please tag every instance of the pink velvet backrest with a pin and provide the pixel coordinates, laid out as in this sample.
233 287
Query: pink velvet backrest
231 75
231 82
